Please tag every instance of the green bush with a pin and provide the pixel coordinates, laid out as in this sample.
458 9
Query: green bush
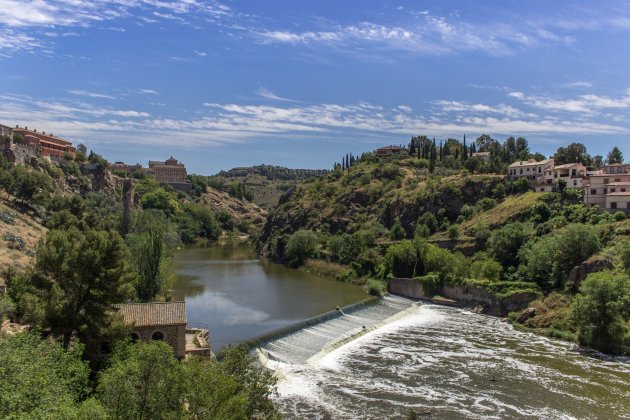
486 269
602 312
431 284
376 287
300 246
402 259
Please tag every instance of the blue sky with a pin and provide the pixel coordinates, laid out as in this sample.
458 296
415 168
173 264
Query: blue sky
301 83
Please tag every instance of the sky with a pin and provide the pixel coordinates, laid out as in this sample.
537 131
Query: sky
302 83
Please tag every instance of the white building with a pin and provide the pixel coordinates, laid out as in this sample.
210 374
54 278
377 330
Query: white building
530 169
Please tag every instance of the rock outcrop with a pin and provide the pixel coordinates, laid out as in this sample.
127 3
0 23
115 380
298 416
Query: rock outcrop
594 264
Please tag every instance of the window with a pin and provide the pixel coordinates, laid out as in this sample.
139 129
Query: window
575 182
617 179
612 190
628 203
593 192
158 336
606 181
623 190
521 172
613 205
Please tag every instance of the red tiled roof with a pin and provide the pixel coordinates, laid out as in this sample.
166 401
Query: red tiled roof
153 314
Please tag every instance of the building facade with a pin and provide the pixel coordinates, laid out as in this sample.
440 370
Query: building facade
609 189
389 151
5 132
530 169
170 171
574 174
163 321
48 145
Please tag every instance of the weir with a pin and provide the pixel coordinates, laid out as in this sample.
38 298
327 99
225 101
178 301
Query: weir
299 343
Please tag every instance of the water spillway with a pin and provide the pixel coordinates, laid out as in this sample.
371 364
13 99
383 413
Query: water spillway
441 362
299 346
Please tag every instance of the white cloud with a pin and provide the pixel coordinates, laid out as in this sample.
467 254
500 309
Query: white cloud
585 104
580 84
201 53
217 123
148 92
266 93
89 94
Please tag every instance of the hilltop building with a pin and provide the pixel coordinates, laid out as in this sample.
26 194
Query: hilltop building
165 321
610 188
530 169
47 145
389 151
574 174
170 171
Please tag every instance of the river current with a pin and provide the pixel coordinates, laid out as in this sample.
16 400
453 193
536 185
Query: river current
441 362
392 357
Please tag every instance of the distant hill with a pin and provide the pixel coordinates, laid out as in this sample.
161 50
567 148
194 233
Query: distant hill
264 184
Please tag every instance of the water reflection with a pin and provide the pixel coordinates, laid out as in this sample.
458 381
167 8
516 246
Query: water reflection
240 297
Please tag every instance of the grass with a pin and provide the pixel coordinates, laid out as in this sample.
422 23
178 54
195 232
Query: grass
510 209
376 287
505 289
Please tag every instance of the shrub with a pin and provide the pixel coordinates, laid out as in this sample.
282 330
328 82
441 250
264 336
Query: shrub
376 287
486 269
602 311
428 219
402 259
398 231
431 284
300 246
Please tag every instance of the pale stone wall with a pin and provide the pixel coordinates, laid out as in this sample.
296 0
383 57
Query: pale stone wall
175 335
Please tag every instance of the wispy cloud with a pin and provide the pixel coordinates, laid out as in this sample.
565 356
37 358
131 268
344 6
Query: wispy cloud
218 123
200 53
148 92
585 104
267 94
89 94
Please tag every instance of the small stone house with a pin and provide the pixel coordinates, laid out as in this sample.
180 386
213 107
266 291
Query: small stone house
165 321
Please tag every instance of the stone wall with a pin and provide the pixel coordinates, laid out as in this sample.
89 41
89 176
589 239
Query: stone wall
466 295
175 335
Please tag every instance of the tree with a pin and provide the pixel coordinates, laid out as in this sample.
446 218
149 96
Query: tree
148 255
402 259
484 143
300 246
575 152
428 219
602 311
142 381
453 232
614 156
78 277
398 231
162 200
549 260
505 243
39 379
258 384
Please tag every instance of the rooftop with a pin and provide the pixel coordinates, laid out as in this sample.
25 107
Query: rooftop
567 166
627 194
153 313
530 162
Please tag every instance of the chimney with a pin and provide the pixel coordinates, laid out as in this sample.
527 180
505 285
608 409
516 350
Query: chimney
43 132
17 126
35 130
25 127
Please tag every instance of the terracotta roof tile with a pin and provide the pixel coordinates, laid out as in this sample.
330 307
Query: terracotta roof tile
153 314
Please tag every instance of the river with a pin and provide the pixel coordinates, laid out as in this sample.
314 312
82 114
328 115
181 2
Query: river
395 356
240 297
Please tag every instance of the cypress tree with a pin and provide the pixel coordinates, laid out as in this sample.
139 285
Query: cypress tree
441 152
465 150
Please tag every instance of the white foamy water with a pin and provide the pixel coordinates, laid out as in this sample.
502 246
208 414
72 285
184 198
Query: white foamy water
442 363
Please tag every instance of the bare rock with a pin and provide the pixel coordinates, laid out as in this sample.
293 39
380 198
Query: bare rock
594 264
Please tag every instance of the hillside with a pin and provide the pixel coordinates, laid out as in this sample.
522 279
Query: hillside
240 209
265 183
374 195
19 233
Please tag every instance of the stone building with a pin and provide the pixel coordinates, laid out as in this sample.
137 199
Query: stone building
48 145
170 171
6 132
166 321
